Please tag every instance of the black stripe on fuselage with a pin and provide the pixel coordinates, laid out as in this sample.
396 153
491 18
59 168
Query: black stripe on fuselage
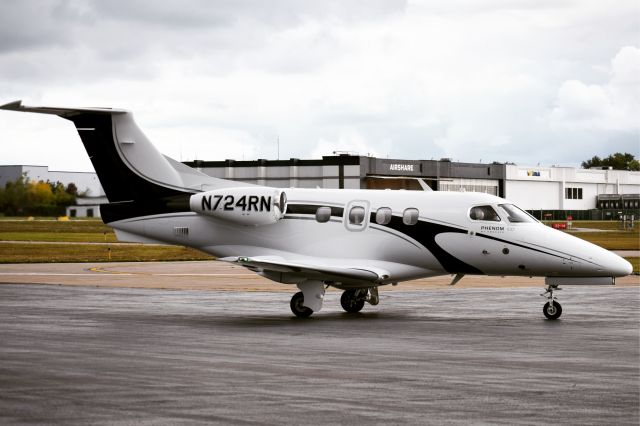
423 232
311 209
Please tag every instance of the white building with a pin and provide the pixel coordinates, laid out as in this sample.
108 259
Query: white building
568 188
86 207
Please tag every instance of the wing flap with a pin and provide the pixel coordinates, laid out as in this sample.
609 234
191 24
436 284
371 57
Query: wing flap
366 273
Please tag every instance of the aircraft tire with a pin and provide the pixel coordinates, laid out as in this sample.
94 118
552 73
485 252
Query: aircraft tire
552 312
350 303
297 306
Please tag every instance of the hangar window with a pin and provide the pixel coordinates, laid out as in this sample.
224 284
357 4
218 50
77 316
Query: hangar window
410 216
323 214
486 213
516 215
383 216
356 215
573 193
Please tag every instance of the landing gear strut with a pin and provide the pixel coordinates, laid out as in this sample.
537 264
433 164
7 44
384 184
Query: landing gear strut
552 309
309 300
353 300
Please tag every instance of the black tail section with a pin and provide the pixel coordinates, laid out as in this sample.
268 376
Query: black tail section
129 194
120 183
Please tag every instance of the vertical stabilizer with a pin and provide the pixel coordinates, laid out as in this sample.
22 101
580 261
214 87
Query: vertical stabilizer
131 170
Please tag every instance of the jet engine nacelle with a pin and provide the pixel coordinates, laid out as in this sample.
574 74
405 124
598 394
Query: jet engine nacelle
244 206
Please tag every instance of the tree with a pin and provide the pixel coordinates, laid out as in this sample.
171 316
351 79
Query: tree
617 161
27 197
71 189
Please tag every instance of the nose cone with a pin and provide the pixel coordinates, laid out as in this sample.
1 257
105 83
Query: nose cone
590 259
612 265
620 267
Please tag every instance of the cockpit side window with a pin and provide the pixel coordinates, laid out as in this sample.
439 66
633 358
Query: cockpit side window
486 213
516 215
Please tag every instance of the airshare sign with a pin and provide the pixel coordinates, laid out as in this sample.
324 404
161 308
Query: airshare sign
397 167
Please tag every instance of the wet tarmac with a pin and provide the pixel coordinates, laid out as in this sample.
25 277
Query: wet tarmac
87 355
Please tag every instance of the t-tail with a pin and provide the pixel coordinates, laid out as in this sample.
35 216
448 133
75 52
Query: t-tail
137 179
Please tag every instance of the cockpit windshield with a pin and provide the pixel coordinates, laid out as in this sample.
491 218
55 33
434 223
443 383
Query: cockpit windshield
486 213
516 215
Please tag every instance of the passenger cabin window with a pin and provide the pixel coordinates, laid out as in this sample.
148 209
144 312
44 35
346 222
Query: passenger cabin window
410 216
486 213
383 216
356 215
515 215
323 214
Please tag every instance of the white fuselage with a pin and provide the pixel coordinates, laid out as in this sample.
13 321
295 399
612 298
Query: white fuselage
446 240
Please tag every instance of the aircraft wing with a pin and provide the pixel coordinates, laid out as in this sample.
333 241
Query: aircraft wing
319 269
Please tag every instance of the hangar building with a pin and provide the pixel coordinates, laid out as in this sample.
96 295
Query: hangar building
546 192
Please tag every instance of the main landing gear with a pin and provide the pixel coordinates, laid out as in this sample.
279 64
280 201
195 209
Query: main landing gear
352 300
297 306
309 300
552 309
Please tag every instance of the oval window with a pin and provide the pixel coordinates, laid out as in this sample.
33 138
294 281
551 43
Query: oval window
323 214
383 216
410 216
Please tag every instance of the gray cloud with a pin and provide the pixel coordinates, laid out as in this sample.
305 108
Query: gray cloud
524 81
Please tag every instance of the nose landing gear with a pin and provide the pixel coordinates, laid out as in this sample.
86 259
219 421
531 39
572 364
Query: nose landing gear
552 309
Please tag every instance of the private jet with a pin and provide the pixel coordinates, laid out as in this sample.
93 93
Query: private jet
353 240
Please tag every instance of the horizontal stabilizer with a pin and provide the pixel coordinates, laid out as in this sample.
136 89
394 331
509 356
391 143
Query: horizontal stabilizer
62 112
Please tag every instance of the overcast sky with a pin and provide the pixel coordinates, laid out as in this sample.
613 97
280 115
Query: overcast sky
541 81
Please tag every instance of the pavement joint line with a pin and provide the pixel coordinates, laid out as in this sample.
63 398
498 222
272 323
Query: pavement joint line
58 274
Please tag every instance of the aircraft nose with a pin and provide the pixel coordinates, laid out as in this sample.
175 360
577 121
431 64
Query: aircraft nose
620 267
615 265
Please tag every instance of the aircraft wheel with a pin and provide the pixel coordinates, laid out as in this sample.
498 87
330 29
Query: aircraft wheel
552 311
350 302
297 306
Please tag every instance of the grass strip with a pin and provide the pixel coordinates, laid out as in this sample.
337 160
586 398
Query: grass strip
612 240
52 226
45 253
635 262
74 237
